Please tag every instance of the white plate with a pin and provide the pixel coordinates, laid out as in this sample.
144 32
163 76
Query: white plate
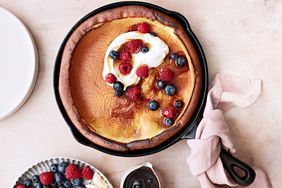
18 63
44 166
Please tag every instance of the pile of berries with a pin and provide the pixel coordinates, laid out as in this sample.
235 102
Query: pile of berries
123 57
164 83
62 175
169 113
166 76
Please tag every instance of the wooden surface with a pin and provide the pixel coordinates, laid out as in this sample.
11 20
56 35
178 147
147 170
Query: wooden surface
243 38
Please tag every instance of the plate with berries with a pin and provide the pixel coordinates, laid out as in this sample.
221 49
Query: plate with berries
63 173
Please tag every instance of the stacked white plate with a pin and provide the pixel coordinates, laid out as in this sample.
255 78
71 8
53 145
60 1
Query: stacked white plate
18 63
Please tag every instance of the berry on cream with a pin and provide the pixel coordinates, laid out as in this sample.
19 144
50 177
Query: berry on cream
154 57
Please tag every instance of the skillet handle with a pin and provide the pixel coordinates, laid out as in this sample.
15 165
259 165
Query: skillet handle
230 163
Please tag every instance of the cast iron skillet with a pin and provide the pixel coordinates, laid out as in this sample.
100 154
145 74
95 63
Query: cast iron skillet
188 132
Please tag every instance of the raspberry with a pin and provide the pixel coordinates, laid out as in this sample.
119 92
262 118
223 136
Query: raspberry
166 75
124 55
20 186
133 28
125 68
168 112
110 78
46 178
72 172
133 93
86 173
143 27
134 45
143 71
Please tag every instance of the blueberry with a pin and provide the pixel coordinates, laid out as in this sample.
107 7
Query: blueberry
53 168
62 167
76 182
144 49
173 56
67 183
161 84
27 182
118 86
38 185
170 90
178 104
168 121
118 93
181 61
61 186
114 54
46 186
35 179
59 178
153 105
153 34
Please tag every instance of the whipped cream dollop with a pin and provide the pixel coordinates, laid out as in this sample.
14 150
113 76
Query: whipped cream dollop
153 58
97 182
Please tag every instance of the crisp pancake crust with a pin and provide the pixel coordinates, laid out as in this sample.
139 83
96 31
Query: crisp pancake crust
113 122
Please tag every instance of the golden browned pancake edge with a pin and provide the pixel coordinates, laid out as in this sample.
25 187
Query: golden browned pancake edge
64 79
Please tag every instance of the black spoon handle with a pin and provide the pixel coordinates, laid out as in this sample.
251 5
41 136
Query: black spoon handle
230 163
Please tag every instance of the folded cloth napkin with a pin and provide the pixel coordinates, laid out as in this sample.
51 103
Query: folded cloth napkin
213 133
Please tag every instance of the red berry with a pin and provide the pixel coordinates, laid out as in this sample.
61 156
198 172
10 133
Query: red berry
125 68
134 45
111 78
166 75
124 55
133 93
133 28
86 173
143 27
72 172
168 112
143 71
20 186
46 178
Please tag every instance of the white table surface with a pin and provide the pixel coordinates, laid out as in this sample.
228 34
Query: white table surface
240 37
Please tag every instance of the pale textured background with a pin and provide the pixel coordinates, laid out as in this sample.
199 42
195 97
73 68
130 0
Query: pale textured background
240 37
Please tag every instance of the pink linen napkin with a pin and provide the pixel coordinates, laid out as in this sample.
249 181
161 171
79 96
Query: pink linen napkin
225 92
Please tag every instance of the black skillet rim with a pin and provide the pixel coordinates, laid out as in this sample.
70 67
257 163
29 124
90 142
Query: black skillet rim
186 130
